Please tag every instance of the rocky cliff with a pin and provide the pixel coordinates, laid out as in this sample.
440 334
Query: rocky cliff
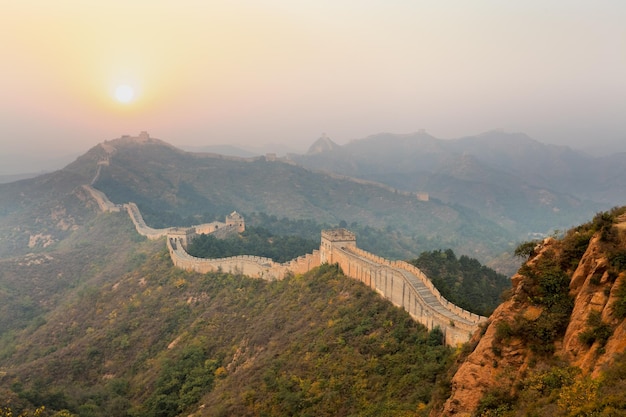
547 348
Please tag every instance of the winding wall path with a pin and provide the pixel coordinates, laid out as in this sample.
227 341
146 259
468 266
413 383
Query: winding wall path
408 287
401 283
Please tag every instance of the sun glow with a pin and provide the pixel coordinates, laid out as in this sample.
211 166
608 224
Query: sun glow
124 93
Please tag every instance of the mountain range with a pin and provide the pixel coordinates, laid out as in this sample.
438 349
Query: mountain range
520 183
96 321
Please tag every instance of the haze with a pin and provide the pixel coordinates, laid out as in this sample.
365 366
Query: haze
248 73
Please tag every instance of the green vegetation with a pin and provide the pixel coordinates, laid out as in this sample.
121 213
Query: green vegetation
463 281
619 306
162 341
575 241
552 387
177 188
99 323
254 241
526 249
549 291
387 242
598 331
558 390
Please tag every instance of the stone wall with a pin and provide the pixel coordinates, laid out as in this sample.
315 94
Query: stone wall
140 224
474 318
103 201
399 282
407 287
252 266
208 228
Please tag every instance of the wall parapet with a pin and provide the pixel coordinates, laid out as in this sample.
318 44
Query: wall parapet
475 318
400 282
408 287
141 226
250 265
102 200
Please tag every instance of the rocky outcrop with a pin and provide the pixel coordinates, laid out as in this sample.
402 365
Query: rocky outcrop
594 333
595 292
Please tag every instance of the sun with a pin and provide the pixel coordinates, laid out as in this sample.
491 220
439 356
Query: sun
124 93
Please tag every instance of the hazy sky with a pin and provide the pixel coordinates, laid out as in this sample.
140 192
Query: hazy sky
259 71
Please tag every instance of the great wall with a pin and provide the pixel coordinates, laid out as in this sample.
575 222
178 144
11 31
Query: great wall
400 282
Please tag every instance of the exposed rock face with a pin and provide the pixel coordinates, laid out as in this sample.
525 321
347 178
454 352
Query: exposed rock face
483 369
594 291
500 364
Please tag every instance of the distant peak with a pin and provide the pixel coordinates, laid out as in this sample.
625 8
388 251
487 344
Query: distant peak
143 138
323 144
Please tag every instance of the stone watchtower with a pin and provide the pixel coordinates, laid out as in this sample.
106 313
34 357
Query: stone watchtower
235 219
335 238
184 235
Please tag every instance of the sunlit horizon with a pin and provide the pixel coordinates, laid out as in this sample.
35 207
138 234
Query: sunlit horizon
251 73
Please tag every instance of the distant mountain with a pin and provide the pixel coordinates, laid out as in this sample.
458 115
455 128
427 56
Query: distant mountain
15 162
512 179
171 186
221 150
16 177
323 144
95 320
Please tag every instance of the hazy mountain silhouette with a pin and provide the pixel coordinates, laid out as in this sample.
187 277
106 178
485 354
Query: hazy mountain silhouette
510 178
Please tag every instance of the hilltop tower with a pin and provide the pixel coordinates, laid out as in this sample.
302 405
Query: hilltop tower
184 235
332 238
235 219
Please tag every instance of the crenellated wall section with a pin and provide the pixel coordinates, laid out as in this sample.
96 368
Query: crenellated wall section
406 286
252 266
400 282
141 226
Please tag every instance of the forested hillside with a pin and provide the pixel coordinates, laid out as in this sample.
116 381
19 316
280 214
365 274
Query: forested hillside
96 321
157 341
172 188
523 185
254 241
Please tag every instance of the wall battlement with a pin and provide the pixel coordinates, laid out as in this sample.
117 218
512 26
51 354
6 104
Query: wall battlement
400 282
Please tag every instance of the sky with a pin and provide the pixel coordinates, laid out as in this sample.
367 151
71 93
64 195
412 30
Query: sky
248 73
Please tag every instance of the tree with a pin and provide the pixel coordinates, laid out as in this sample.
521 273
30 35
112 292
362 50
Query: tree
526 249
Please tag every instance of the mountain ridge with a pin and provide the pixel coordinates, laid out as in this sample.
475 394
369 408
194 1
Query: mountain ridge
97 320
168 180
545 181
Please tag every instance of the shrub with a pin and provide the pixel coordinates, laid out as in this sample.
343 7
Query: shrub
617 260
619 306
597 330
495 402
503 331
526 249
574 245
603 223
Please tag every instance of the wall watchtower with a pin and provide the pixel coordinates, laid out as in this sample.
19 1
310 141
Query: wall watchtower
236 220
335 238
